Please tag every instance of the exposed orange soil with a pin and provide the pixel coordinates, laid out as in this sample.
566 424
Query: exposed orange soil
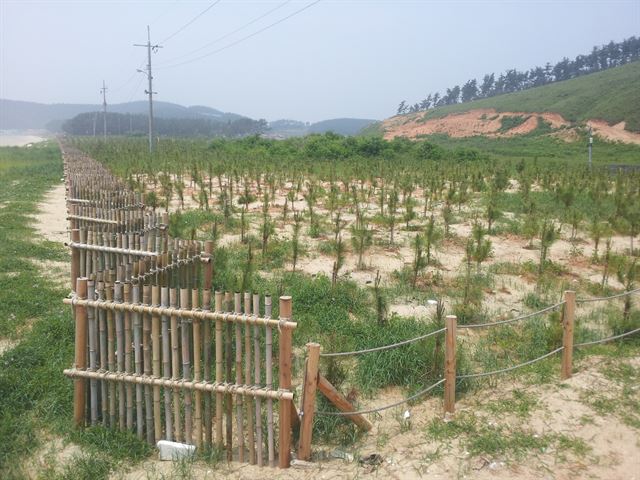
484 121
615 133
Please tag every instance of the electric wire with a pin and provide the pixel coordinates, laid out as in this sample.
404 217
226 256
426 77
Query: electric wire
186 25
246 37
226 35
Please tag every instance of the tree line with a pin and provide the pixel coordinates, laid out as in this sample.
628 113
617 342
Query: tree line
601 58
92 123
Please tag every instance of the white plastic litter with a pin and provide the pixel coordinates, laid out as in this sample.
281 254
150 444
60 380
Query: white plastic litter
174 451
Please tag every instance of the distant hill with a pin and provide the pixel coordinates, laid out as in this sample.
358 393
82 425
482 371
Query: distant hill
607 101
342 126
295 128
15 114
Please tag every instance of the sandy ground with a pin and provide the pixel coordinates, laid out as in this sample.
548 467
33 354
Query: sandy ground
614 133
409 452
15 140
485 121
51 221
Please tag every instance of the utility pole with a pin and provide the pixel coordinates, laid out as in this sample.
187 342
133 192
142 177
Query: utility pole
590 146
103 90
150 91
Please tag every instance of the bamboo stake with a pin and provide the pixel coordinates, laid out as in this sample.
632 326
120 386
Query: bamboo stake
257 379
284 361
197 369
239 416
146 342
127 355
206 306
175 367
120 355
186 368
247 379
206 340
93 340
80 355
219 370
166 364
269 379
75 258
155 345
111 361
229 378
83 257
102 325
137 354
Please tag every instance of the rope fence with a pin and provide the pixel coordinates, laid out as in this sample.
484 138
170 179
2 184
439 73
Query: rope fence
509 369
608 339
516 319
384 347
602 299
385 407
450 379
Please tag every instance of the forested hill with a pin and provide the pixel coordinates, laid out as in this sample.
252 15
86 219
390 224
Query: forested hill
607 101
612 95
612 55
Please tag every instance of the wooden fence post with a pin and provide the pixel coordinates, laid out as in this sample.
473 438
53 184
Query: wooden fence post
75 258
79 396
450 364
284 359
568 320
308 400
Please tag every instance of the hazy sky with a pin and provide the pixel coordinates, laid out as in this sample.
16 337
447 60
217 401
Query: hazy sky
334 59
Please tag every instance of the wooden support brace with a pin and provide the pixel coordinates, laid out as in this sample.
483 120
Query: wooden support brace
341 403
308 400
568 320
450 364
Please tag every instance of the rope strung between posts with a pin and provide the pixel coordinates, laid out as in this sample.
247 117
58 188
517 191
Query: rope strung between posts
384 347
508 369
386 407
608 339
516 319
601 299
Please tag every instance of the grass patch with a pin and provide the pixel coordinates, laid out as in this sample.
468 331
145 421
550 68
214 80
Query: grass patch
35 398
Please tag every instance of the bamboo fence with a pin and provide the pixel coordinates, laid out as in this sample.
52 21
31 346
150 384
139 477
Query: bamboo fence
157 351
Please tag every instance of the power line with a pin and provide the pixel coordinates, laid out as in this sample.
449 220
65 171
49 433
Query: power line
247 37
190 21
227 35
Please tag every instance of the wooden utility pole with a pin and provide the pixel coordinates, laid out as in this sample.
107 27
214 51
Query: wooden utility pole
150 91
103 90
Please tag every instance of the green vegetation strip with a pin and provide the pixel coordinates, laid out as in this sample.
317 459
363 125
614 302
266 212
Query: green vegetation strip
35 398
